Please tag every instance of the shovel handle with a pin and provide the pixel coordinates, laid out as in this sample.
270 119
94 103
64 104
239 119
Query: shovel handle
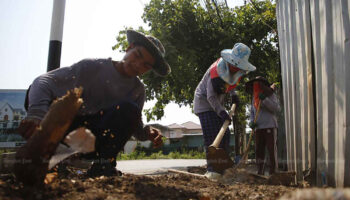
221 133
245 153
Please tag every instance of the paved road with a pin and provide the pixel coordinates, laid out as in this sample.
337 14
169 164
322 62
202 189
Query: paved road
157 166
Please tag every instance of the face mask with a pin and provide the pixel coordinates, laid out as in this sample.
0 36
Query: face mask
229 76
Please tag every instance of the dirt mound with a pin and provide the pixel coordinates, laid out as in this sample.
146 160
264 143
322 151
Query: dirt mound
72 183
318 193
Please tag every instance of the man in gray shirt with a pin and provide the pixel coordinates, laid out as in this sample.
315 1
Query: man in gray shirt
107 85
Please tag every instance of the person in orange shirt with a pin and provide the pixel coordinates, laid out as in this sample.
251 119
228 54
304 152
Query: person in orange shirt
265 126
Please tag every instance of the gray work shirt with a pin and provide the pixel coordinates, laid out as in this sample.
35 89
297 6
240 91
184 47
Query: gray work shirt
206 99
103 86
267 114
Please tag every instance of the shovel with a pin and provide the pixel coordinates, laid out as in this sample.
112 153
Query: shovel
218 157
80 140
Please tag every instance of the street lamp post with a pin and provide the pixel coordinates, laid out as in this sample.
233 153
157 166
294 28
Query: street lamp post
56 34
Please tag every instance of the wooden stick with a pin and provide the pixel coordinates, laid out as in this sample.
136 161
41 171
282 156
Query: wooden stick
186 173
221 133
258 175
245 154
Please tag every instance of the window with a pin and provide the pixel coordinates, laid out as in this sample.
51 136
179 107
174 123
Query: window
15 124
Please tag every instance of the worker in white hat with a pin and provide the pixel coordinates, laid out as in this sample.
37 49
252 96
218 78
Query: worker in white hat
220 79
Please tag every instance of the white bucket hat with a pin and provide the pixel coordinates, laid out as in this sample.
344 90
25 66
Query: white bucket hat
238 56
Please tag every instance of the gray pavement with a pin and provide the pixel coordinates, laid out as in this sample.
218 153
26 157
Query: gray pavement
157 166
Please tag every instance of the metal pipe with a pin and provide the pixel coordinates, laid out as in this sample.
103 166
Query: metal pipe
56 34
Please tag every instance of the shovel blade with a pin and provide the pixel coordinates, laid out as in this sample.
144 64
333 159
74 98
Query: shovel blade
219 159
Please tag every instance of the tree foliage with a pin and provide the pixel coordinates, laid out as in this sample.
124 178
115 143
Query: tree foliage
194 33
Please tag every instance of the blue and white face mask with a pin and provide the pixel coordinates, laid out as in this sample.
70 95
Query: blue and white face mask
223 70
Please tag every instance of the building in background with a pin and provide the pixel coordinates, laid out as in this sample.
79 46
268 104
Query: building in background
11 113
10 116
179 137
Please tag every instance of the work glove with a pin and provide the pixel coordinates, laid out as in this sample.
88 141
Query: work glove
253 125
154 135
28 126
224 115
262 96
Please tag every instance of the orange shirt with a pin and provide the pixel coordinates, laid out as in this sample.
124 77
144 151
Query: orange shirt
256 91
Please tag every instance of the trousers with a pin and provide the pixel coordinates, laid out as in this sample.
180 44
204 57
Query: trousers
266 138
211 124
112 128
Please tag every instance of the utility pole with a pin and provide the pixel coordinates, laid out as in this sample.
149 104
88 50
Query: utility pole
56 34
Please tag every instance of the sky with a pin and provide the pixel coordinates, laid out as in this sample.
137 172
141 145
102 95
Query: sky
90 30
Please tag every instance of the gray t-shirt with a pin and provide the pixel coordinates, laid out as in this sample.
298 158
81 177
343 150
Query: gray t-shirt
103 86
206 99
267 114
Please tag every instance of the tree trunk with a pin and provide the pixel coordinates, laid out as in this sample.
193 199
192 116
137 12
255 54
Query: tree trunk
237 137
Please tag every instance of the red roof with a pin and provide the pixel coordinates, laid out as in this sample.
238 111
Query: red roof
187 125
175 126
191 125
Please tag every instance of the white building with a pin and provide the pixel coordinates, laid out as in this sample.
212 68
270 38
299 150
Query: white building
10 116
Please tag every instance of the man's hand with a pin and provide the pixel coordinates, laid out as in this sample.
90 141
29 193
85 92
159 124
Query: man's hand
155 136
224 115
262 96
273 86
253 125
27 127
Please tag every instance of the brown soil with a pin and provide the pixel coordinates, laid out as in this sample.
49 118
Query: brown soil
73 184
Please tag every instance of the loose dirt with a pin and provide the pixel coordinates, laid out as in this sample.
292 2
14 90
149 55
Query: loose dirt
72 183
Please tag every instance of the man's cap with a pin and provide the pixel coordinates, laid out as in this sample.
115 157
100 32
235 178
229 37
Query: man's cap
155 47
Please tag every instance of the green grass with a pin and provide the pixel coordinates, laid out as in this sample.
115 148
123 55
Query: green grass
5 151
136 155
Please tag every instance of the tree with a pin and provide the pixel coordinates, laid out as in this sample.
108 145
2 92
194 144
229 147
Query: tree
193 36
